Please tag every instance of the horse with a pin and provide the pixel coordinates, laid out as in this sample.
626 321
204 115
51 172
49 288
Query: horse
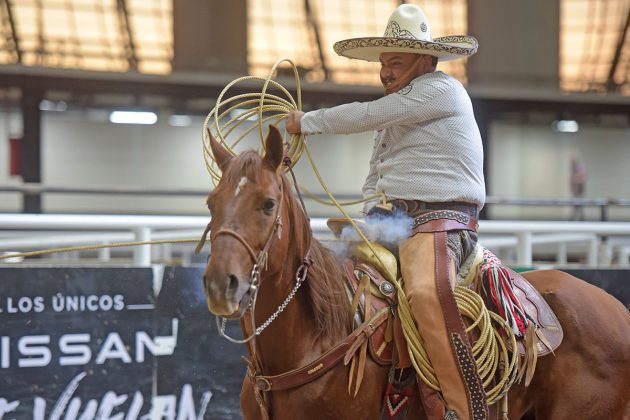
264 257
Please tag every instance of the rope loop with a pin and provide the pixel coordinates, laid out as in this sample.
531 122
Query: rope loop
261 107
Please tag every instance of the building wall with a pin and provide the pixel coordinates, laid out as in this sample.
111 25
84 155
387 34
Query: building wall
534 161
526 160
518 44
81 153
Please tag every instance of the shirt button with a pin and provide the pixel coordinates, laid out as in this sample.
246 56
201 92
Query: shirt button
382 160
384 145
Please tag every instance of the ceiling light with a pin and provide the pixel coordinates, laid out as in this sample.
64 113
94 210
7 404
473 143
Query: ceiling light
58 106
565 126
133 117
177 120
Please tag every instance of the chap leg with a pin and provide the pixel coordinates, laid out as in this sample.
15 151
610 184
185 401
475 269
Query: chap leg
420 261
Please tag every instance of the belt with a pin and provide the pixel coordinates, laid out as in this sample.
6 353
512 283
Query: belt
415 207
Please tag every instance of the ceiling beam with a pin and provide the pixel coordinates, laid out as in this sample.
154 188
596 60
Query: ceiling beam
314 24
611 86
14 36
178 87
127 34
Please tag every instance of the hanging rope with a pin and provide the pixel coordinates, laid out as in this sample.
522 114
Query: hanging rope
497 366
93 247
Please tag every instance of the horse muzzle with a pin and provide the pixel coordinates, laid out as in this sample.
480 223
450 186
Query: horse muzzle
227 296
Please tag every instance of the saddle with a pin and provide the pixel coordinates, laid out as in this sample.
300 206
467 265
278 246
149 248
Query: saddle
370 287
380 294
486 268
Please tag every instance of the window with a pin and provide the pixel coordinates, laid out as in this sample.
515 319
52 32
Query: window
594 53
280 29
107 35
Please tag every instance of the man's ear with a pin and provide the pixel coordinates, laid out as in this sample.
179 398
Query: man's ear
274 148
221 155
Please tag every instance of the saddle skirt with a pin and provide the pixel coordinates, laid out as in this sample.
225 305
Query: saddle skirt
371 290
509 294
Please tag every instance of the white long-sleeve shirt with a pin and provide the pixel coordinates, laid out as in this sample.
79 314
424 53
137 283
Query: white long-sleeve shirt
427 146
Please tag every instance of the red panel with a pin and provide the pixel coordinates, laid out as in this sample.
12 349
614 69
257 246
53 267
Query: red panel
15 156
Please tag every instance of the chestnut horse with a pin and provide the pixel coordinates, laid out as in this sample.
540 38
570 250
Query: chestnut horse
254 212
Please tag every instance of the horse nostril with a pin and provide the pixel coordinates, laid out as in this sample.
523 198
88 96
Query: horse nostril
233 284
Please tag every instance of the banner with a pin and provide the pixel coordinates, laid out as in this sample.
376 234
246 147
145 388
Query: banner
95 343
201 356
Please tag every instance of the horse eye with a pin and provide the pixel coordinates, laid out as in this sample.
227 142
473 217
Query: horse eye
268 206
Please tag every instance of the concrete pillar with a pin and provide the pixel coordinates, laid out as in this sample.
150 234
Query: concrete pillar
210 36
31 164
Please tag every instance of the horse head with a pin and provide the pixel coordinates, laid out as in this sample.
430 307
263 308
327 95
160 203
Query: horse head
246 210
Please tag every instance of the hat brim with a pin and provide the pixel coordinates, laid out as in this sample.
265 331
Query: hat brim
444 48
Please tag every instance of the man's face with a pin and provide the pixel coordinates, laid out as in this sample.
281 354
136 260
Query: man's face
394 65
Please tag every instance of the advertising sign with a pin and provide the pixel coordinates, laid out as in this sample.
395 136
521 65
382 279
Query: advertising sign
96 343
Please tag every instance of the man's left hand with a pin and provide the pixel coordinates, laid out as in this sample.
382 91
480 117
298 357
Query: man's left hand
292 124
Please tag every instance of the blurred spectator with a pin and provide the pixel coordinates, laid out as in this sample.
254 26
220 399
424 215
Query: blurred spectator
578 183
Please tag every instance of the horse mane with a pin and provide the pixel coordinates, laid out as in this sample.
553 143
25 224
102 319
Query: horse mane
325 280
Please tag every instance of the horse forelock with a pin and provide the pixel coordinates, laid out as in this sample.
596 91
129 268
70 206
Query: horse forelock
246 165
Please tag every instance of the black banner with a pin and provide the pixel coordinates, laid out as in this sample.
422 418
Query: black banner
88 343
613 281
201 357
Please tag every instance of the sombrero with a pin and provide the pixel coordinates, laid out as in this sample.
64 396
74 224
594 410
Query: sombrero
408 31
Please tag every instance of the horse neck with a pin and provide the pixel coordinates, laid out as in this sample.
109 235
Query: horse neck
282 345
275 285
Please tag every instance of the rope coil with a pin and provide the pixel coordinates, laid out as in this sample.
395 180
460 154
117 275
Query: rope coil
497 367
251 105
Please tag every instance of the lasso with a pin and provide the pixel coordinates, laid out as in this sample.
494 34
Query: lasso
496 366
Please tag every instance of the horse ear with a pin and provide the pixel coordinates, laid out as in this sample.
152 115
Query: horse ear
274 148
221 155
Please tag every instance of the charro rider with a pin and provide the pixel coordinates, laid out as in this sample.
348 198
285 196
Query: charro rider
427 160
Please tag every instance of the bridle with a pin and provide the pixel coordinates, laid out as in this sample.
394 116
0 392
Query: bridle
259 262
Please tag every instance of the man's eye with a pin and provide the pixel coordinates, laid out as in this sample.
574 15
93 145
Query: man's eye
268 206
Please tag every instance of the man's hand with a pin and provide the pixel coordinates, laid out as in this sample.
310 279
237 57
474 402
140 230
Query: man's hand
292 123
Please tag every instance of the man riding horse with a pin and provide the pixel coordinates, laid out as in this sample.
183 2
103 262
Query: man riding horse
428 162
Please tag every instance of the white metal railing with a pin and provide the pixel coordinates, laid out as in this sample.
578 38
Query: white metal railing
27 232
604 204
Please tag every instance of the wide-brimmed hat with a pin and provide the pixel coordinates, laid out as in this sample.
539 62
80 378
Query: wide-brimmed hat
408 31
